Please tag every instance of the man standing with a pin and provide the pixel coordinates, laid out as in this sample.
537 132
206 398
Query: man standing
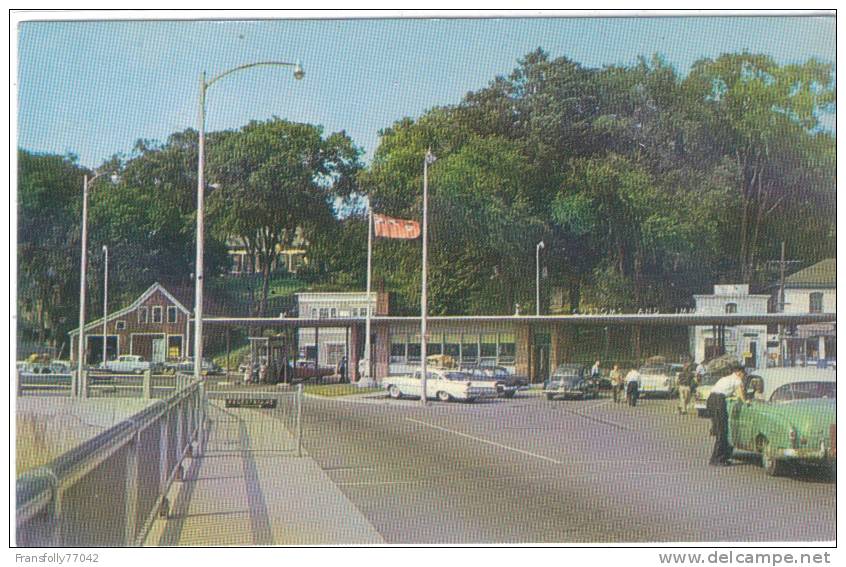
595 371
632 386
725 387
686 381
616 383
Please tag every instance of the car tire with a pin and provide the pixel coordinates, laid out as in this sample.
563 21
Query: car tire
444 397
394 392
509 394
772 466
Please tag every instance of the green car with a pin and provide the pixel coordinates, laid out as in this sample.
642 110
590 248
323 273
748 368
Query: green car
790 419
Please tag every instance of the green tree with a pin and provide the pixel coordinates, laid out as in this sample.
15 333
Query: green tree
278 177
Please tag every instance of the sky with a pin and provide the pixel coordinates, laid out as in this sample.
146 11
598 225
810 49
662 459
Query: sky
92 88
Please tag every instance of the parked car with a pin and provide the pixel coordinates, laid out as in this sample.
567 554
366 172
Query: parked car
506 384
187 366
130 364
791 418
657 379
570 381
442 384
310 370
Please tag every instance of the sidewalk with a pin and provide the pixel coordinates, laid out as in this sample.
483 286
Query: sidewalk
250 488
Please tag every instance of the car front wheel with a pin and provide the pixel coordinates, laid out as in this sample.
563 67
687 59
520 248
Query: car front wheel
394 392
443 396
771 465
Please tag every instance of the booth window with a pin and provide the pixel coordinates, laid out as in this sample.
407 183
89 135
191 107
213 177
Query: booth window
815 302
470 349
398 348
507 348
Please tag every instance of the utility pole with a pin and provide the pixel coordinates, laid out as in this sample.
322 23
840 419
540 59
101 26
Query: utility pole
782 264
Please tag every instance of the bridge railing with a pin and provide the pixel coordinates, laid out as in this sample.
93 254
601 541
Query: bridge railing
108 491
99 384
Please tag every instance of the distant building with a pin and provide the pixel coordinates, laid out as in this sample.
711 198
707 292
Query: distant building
155 326
328 345
287 259
811 290
747 342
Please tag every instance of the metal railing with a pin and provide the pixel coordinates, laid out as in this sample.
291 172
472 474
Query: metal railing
108 491
99 384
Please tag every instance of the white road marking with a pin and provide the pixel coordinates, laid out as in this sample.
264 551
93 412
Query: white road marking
486 441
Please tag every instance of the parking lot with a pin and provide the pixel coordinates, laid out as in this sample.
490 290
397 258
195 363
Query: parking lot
532 470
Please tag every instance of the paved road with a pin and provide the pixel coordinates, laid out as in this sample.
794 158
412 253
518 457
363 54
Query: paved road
531 470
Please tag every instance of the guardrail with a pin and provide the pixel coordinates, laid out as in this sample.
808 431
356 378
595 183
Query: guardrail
108 491
94 384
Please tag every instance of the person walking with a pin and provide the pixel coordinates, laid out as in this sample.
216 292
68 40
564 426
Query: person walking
632 386
617 383
686 383
595 371
725 387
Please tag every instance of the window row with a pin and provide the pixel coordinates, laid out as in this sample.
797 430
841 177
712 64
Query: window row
144 312
467 348
332 312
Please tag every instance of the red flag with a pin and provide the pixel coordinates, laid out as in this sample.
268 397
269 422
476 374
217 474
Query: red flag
389 227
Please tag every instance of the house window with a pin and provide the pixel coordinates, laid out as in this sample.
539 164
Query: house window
171 314
314 313
398 348
174 347
142 314
157 314
120 325
815 302
324 312
333 313
731 308
507 348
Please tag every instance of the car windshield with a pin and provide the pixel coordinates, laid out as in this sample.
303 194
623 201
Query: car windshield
653 370
456 376
568 370
804 391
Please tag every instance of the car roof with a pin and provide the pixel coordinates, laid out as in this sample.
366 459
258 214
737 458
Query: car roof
775 378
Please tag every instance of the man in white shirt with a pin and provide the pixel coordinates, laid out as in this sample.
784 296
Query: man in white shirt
632 386
726 387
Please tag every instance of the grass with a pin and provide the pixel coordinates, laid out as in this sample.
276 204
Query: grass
335 390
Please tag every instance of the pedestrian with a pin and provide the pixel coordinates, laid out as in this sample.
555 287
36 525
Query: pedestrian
595 371
617 383
725 387
687 379
632 386
700 372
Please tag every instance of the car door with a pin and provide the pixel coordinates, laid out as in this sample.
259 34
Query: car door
743 417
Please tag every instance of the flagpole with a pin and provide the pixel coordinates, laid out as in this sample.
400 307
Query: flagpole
423 295
367 366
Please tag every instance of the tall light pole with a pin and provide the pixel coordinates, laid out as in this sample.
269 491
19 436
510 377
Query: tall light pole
424 309
201 164
537 276
83 269
105 301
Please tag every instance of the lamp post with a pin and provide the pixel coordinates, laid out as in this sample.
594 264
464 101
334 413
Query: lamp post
105 302
201 163
83 269
537 276
424 309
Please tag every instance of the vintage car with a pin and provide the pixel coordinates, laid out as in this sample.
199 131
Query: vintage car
507 384
657 379
129 364
186 366
570 381
442 384
790 418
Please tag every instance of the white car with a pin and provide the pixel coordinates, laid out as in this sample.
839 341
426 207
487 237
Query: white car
444 385
657 379
129 364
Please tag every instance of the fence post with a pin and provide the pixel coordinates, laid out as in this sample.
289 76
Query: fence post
300 419
19 386
84 384
132 488
163 451
201 425
74 384
147 385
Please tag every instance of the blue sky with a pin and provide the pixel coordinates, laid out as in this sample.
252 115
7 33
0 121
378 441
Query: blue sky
94 87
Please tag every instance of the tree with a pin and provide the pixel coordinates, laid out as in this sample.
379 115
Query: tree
764 118
278 177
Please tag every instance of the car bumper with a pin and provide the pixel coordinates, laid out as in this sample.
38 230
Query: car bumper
820 455
566 393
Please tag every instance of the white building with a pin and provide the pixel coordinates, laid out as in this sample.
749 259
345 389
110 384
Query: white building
811 290
328 345
747 342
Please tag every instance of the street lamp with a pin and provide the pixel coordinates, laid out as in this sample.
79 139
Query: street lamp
537 276
105 301
83 268
198 273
